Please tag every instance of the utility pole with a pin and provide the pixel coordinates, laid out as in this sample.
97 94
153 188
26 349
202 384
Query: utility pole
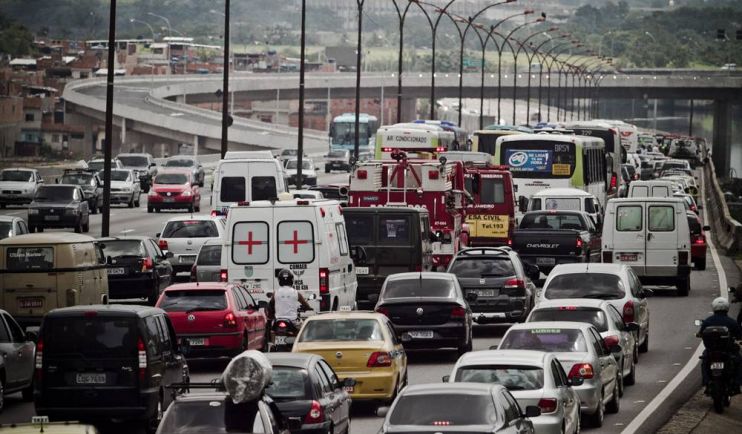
106 215
226 117
359 47
300 138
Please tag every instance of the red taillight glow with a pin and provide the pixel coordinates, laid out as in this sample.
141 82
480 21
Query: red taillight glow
440 149
579 243
379 359
458 312
700 240
628 312
361 174
215 213
142 354
510 242
315 415
282 324
441 423
611 341
162 244
147 264
223 276
514 283
230 321
324 280
547 405
584 370
614 181
567 307
39 362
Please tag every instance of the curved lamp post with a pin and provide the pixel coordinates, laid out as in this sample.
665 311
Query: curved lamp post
169 28
134 20
522 47
402 16
535 54
549 59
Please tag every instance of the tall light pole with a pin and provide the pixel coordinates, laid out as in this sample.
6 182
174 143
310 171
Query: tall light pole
300 137
549 59
134 20
522 46
535 54
226 117
359 47
107 146
402 15
169 28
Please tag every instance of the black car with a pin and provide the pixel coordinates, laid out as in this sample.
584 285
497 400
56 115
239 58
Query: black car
428 310
308 391
137 268
185 162
470 408
90 183
59 206
337 160
101 362
144 166
337 192
501 281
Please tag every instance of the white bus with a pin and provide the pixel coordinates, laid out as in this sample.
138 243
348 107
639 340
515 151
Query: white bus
416 139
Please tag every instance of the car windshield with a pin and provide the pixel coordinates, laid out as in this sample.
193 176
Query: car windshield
16 175
171 178
190 229
444 409
208 416
596 317
336 154
121 248
54 194
180 162
98 165
418 287
6 230
545 339
83 179
193 300
288 383
585 285
209 255
512 377
323 330
133 160
551 221
482 267
293 164
289 152
119 175
91 335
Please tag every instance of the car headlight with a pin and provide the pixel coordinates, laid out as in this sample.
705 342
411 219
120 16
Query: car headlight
187 193
33 211
72 211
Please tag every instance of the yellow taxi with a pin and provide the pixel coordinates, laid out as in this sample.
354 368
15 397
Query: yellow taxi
41 424
358 345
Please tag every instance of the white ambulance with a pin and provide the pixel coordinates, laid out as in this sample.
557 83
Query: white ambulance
244 177
306 236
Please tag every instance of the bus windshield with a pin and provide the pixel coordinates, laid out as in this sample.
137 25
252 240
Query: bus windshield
343 133
539 159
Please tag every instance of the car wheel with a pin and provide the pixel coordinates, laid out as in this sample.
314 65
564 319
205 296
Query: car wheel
700 263
136 202
190 208
683 286
27 393
619 382
157 210
153 423
93 209
150 209
578 426
131 202
596 419
630 379
327 169
644 347
615 405
154 294
245 343
39 229
2 206
78 227
198 208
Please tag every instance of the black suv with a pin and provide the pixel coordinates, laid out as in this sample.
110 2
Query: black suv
90 183
101 362
137 268
502 282
59 206
338 160
143 165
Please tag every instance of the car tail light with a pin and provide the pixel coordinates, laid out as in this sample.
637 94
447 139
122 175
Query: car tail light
693 208
611 341
142 353
510 242
628 312
607 256
584 370
514 287
315 415
230 321
440 149
379 359
223 275
683 258
147 264
39 362
383 310
162 244
614 181
194 273
215 213
547 405
361 174
433 174
458 312
700 239
579 243
324 280
282 325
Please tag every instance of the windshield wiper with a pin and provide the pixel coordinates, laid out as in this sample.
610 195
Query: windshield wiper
601 296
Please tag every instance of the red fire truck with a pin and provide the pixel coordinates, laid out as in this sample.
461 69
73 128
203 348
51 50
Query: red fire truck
490 214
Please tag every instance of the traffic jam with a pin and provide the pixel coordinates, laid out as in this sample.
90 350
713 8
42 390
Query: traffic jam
314 295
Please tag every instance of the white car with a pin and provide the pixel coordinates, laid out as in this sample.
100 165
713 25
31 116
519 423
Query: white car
582 353
12 226
125 187
570 199
533 378
183 236
306 194
308 172
97 164
18 186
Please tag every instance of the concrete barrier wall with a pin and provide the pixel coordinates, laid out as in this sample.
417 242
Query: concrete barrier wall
727 230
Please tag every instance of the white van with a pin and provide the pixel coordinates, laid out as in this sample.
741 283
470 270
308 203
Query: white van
245 177
655 188
571 199
306 236
651 235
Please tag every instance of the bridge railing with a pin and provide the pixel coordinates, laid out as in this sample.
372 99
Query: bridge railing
727 230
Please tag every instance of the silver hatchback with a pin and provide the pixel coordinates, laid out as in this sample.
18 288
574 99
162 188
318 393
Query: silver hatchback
183 236
208 262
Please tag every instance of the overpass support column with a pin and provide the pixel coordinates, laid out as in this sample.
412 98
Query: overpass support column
408 110
722 146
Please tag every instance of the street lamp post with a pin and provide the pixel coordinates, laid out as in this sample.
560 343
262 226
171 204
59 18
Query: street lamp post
535 54
359 47
169 28
402 15
107 146
300 136
134 20
226 117
547 58
521 46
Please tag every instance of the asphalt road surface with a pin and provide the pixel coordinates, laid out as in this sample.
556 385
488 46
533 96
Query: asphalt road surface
672 342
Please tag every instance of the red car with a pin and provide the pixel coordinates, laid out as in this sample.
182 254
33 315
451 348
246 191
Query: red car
697 241
174 189
214 319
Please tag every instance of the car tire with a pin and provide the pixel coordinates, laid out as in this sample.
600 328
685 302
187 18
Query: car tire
700 264
198 208
327 169
2 206
614 406
131 202
190 208
136 202
157 210
578 428
27 393
619 382
78 227
630 379
150 210
644 347
467 347
596 419
93 209
154 422
154 294
39 229
683 286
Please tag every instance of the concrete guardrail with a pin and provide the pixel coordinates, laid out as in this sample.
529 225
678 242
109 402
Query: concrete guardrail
727 230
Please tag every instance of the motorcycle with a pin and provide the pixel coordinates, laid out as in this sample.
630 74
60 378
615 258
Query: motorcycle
719 365
284 332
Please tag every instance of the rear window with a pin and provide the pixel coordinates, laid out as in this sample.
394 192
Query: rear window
288 383
209 255
190 300
564 203
208 416
596 317
90 336
358 227
394 229
119 248
629 218
29 258
232 189
444 409
133 160
16 175
585 285
491 191
190 229
6 230
512 377
55 194
341 330
263 188
414 287
171 179
545 339
661 218
295 242
180 162
482 267
552 221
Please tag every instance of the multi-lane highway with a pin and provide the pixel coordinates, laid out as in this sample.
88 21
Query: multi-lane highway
662 385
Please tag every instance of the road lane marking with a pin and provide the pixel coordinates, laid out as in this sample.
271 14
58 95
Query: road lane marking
689 367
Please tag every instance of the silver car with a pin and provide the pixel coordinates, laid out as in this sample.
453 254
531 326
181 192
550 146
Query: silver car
12 226
17 361
582 353
183 236
18 186
208 262
125 188
605 318
533 378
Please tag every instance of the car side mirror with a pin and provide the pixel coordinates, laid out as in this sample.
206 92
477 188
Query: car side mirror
56 180
269 294
446 378
532 411
646 293
32 336
532 271
471 297
152 165
382 411
632 327
576 381
157 235
109 260
522 203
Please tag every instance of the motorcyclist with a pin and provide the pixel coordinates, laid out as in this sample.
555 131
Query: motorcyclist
286 300
720 317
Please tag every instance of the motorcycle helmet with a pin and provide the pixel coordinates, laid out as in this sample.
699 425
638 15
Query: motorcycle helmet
720 304
285 277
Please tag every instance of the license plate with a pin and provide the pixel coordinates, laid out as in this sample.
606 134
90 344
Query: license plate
349 389
116 271
485 292
186 259
52 218
280 340
90 379
197 342
545 261
424 334
31 302
361 270
169 200
717 365
628 257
